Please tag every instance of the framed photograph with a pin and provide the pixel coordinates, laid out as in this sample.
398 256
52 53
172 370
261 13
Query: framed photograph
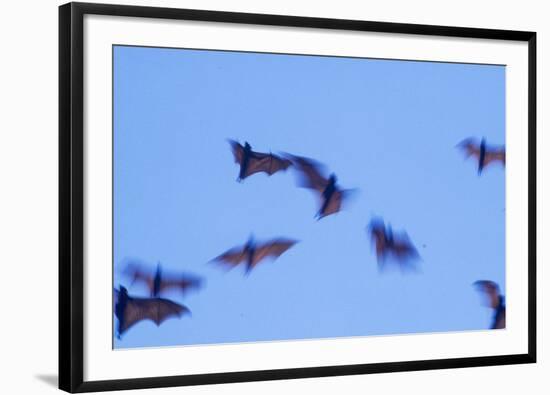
251 197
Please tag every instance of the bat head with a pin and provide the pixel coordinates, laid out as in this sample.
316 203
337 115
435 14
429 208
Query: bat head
247 146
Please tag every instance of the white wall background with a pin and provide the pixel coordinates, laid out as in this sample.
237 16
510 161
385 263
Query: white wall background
28 197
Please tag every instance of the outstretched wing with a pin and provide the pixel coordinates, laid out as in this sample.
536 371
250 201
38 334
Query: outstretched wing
273 248
495 155
469 147
335 203
267 163
311 172
232 257
238 151
183 282
378 236
491 290
403 248
155 309
138 274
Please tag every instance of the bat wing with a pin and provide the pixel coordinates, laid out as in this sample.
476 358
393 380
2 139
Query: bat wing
404 249
238 151
155 309
491 291
469 147
333 205
274 248
138 274
496 155
378 237
232 257
312 173
335 202
268 163
184 283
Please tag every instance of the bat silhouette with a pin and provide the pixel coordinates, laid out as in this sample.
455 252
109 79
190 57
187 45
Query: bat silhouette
311 171
252 162
391 245
484 154
495 301
253 253
159 282
129 310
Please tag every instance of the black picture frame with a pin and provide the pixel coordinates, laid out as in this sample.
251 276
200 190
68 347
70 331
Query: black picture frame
71 195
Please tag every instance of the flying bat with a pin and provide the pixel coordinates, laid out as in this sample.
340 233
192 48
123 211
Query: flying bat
390 245
253 253
158 282
129 310
495 301
311 171
252 162
484 154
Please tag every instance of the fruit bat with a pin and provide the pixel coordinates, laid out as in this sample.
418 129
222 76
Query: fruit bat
159 282
495 301
390 245
251 162
129 310
332 197
253 253
484 154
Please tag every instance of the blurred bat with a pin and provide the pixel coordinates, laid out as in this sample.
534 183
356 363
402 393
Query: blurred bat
129 310
253 253
390 245
484 154
255 162
158 282
495 301
332 197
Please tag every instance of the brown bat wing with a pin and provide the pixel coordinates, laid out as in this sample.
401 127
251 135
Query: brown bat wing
155 309
138 274
497 155
182 283
267 163
238 151
232 257
377 232
334 204
403 248
378 237
273 248
311 172
469 147
491 290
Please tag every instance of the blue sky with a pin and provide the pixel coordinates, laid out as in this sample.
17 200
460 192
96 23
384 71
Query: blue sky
387 128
